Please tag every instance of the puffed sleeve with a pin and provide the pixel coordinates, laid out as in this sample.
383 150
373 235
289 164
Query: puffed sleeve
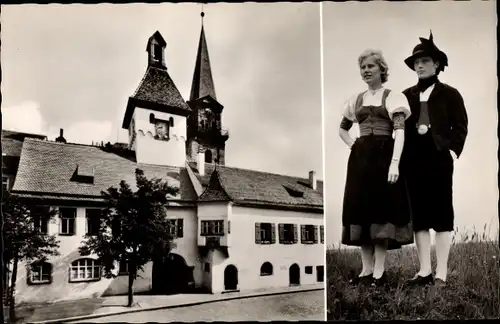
397 104
348 109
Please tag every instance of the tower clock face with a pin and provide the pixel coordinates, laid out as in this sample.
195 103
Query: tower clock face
161 129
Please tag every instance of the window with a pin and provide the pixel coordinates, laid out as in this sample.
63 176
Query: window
265 233
322 233
40 273
68 217
157 52
266 269
5 183
123 267
41 221
212 227
176 227
309 234
171 121
308 269
288 233
207 267
208 156
85 270
93 217
320 273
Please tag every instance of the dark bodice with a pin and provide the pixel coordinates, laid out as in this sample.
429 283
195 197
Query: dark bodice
374 120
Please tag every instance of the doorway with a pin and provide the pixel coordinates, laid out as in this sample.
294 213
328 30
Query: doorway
294 274
171 275
230 278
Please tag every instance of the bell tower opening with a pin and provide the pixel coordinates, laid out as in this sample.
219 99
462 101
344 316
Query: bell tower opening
208 156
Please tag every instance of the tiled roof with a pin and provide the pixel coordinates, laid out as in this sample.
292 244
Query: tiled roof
158 87
214 191
157 91
12 142
47 167
262 188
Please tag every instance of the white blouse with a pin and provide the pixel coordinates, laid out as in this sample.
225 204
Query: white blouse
395 102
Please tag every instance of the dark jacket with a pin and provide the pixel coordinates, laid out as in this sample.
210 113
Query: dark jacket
447 114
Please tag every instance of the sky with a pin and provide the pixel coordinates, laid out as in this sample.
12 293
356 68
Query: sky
466 32
74 67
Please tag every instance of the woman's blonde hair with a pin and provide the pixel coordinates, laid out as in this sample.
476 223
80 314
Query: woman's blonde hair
379 59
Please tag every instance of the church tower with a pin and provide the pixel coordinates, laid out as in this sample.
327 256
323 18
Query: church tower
204 130
156 114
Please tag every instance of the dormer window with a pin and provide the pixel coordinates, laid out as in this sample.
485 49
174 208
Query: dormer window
294 192
83 174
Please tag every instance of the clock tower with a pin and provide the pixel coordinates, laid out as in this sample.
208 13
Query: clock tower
204 127
156 114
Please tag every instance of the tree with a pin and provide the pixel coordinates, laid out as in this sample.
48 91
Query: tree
23 239
133 227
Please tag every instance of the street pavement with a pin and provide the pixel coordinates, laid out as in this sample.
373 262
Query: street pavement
288 307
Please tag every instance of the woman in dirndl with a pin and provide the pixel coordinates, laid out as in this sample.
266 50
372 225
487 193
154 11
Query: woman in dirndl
376 211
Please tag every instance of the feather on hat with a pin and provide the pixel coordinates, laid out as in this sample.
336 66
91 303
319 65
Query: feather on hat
427 48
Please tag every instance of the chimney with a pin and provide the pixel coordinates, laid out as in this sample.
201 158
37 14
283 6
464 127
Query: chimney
313 182
61 138
201 163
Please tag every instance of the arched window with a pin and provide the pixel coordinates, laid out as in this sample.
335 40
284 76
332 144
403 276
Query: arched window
208 156
266 269
85 270
40 273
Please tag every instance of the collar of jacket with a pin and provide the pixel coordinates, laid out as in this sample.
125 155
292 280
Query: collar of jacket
438 87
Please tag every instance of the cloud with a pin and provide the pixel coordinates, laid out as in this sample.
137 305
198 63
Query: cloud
27 117
24 117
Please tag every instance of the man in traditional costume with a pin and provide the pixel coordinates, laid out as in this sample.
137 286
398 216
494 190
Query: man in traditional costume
435 135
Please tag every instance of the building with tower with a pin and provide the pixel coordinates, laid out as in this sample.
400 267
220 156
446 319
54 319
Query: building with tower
235 229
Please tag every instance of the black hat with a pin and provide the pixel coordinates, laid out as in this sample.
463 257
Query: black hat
427 48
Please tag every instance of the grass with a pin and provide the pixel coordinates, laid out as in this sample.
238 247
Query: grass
472 291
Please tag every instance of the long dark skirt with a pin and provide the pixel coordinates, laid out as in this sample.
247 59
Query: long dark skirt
374 211
429 174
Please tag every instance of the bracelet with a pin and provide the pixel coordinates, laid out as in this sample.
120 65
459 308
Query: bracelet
395 160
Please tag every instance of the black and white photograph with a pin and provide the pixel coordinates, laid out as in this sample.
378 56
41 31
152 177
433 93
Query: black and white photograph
164 162
411 192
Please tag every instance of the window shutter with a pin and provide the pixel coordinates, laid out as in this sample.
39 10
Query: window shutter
71 226
281 228
180 227
322 233
295 234
50 272
257 233
273 233
315 234
303 233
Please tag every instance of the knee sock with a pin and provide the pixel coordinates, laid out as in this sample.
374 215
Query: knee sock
443 244
423 242
380 253
367 259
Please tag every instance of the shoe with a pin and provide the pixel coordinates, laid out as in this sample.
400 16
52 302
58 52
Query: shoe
382 281
421 281
439 283
364 280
